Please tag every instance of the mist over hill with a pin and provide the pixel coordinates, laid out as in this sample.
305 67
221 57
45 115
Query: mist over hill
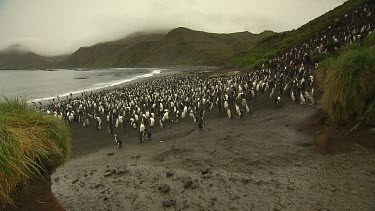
19 57
180 46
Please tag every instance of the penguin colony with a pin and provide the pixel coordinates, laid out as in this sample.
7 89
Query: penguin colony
144 105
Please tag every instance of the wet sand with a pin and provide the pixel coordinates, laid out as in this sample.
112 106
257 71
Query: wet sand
264 161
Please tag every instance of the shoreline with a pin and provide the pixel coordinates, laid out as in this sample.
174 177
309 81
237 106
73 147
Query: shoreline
165 71
267 152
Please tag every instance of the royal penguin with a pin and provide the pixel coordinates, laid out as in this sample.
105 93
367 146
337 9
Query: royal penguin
278 101
118 142
302 98
229 113
152 121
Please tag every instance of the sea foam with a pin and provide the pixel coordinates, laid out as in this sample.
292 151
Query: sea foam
101 86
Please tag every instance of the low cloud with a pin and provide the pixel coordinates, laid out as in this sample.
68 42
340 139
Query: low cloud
53 27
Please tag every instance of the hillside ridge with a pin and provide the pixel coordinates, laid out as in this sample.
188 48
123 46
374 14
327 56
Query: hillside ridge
180 46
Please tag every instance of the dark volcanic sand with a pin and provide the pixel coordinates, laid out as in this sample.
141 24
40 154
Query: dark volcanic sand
36 196
260 162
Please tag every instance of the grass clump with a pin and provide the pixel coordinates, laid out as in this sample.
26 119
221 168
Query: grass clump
348 82
31 143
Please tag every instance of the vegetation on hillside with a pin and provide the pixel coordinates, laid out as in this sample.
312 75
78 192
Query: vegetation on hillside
279 43
348 82
31 143
181 46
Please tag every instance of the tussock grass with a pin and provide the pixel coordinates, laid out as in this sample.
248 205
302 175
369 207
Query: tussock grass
348 82
31 143
321 74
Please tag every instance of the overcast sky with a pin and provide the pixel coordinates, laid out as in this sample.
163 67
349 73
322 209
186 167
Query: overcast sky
52 27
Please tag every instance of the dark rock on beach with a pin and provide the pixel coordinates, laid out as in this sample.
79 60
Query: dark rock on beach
169 174
164 188
187 181
169 203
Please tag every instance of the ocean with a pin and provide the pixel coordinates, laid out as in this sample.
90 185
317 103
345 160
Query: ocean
42 85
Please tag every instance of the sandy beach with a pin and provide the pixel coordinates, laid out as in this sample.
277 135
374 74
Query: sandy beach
143 107
264 161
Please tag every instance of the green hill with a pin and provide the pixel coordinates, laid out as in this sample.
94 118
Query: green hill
180 46
281 42
183 46
107 54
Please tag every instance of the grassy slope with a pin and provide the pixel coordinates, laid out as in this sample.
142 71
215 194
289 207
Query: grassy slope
348 82
30 143
281 42
108 53
180 46
183 46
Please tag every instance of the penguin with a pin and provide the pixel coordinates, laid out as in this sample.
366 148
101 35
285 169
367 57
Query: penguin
162 124
148 134
292 96
166 115
229 113
243 102
152 121
303 101
86 122
183 114
134 124
272 91
286 87
147 114
142 127
98 123
141 132
211 105
226 104
307 95
118 142
238 111
136 117
278 101
185 109
201 124
120 120
252 93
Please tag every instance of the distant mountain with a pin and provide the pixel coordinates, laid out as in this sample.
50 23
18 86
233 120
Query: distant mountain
18 57
107 54
181 46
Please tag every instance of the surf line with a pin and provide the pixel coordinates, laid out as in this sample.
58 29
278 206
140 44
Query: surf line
100 86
